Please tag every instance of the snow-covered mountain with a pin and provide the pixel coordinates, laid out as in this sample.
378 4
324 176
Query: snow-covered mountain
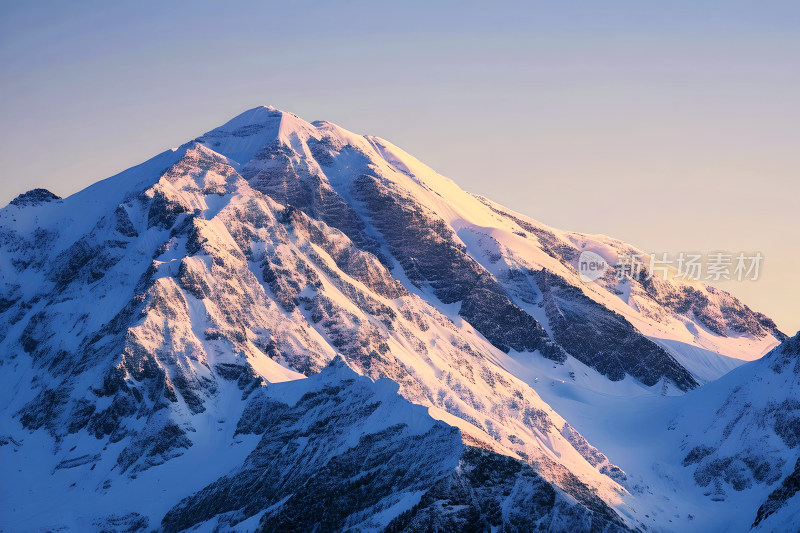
721 458
181 347
750 443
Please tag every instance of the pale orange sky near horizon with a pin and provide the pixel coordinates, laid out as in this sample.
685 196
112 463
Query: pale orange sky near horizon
672 127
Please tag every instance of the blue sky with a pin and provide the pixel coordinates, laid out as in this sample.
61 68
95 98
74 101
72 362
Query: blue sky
671 125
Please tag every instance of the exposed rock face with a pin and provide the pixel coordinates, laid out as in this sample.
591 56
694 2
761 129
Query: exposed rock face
278 172
430 253
603 339
148 355
713 308
33 197
710 307
595 457
347 454
779 498
321 462
491 491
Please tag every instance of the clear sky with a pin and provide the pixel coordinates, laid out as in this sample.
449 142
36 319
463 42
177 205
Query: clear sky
671 125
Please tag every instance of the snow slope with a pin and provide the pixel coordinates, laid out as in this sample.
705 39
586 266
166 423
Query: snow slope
714 459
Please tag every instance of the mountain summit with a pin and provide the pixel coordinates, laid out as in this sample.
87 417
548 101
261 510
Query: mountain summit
286 325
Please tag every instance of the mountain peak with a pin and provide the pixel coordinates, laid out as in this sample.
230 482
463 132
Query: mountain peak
243 136
256 115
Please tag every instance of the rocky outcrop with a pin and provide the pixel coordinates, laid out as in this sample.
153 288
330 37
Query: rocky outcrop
713 308
493 492
344 455
780 497
34 197
430 253
603 339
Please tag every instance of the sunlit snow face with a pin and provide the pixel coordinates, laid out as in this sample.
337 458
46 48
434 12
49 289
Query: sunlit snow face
591 266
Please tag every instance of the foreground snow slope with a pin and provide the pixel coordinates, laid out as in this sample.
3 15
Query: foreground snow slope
335 449
720 458
339 451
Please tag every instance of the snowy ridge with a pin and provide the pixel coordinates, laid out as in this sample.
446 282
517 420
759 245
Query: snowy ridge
400 457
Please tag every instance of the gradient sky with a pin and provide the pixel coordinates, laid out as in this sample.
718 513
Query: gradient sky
674 125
